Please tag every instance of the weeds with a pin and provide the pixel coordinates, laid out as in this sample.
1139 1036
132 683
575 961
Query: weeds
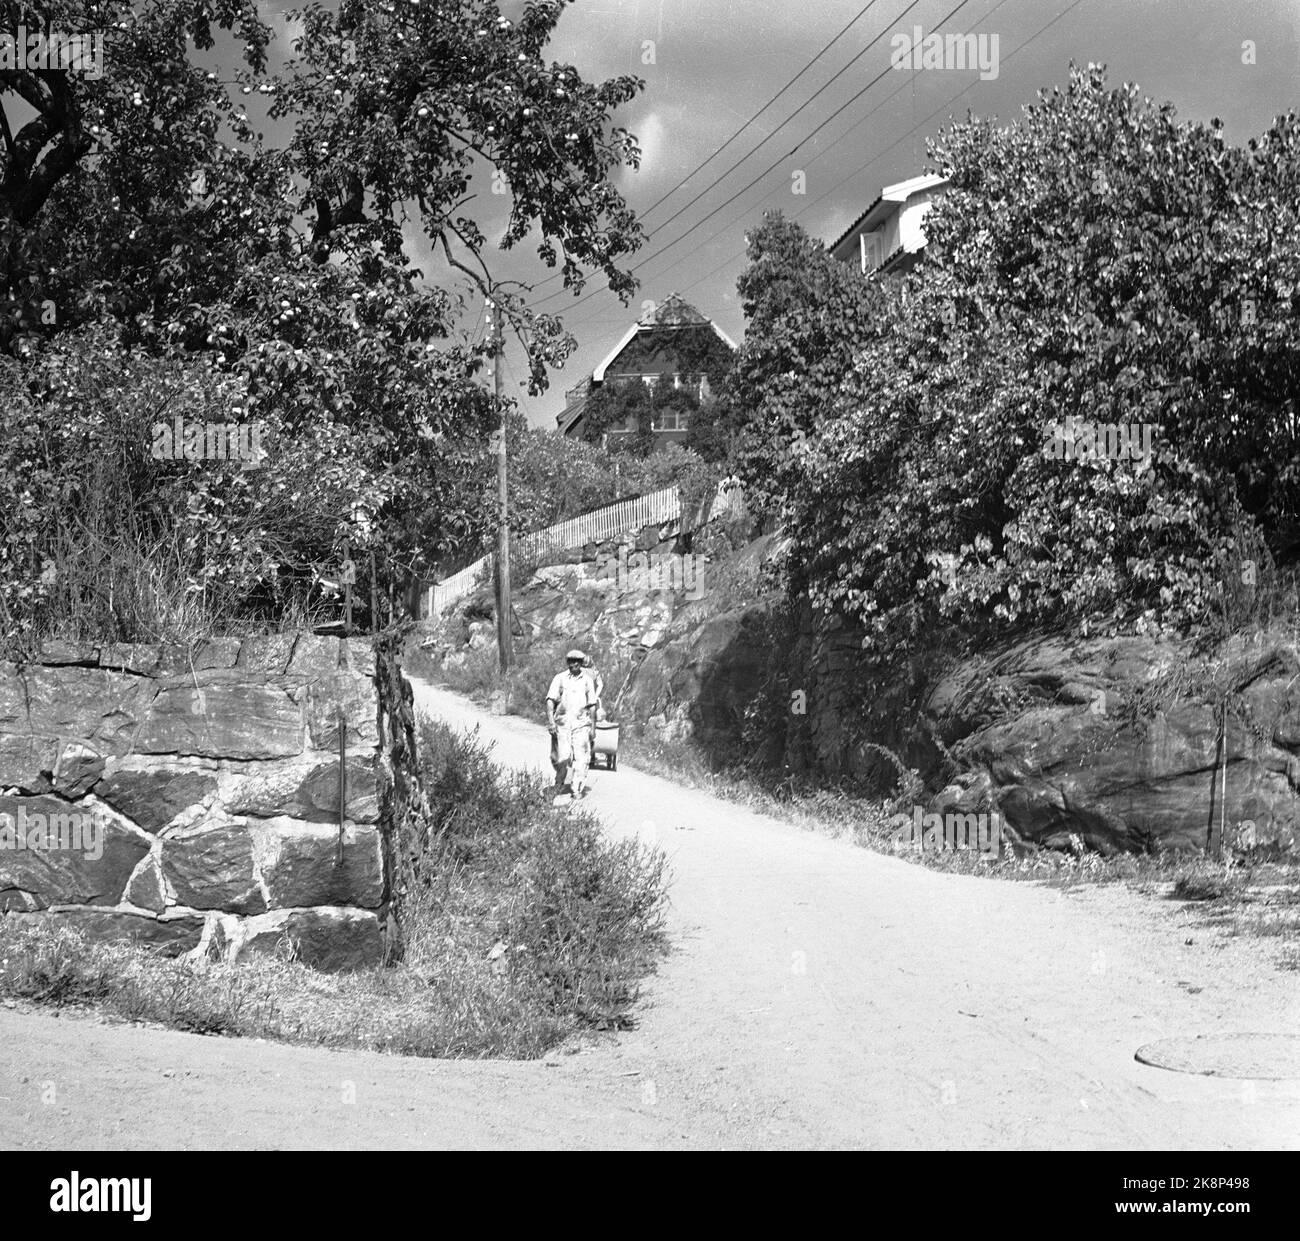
575 920
465 1013
521 926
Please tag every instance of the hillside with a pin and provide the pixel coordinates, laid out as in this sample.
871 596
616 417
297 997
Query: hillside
1118 744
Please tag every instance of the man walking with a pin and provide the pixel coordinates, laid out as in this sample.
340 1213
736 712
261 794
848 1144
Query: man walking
570 703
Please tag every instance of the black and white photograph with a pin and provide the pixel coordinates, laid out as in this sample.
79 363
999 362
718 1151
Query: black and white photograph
651 575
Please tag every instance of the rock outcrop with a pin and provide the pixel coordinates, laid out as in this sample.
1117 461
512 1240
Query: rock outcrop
624 591
1123 743
1130 743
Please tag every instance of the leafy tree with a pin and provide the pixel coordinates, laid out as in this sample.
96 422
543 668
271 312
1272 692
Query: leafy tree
672 464
1095 259
807 319
553 478
143 200
96 181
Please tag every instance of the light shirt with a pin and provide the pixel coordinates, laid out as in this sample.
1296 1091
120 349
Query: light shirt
574 696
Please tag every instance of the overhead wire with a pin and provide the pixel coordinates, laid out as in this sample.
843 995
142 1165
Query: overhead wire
752 119
862 167
749 185
848 133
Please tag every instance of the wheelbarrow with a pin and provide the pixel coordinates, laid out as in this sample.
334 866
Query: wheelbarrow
605 741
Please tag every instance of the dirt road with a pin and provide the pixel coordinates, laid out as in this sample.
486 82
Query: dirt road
818 995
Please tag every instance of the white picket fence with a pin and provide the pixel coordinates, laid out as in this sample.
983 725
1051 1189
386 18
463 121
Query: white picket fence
656 509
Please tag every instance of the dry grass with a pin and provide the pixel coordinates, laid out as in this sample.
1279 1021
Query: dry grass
462 1012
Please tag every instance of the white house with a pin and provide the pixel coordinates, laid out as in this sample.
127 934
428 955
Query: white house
889 236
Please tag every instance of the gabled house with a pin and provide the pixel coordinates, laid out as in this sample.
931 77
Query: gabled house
888 237
663 348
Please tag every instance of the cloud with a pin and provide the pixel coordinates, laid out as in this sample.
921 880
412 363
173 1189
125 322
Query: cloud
417 247
651 135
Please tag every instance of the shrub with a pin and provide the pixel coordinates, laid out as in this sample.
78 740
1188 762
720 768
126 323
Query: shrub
101 540
898 429
579 920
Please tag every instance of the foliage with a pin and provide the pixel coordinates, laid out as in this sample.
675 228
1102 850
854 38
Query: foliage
630 404
103 541
807 317
577 915
695 352
142 206
672 465
1095 259
553 477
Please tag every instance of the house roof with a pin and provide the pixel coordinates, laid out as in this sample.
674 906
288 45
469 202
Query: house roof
673 312
884 206
574 405
894 258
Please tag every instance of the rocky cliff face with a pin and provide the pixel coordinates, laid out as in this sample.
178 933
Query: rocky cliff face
192 799
1125 743
1130 743
624 591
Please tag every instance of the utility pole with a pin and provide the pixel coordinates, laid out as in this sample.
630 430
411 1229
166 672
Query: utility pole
503 523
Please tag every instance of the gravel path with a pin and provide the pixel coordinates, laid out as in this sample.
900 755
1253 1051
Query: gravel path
818 995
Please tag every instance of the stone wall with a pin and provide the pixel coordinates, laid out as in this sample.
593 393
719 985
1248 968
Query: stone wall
190 798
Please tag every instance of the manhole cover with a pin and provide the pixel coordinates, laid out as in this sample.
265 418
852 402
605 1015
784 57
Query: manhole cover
1262 1057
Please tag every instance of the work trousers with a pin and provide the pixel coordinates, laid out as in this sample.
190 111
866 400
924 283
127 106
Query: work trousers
571 753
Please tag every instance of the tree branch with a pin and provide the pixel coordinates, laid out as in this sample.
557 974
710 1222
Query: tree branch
351 210
27 184
485 289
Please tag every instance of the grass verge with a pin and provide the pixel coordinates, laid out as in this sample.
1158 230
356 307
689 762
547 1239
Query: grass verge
521 926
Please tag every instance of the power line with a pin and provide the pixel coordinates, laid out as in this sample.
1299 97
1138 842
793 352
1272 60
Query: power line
1018 48
700 168
718 150
879 155
755 149
745 188
820 155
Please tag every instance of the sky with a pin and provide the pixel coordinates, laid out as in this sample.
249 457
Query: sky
710 66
